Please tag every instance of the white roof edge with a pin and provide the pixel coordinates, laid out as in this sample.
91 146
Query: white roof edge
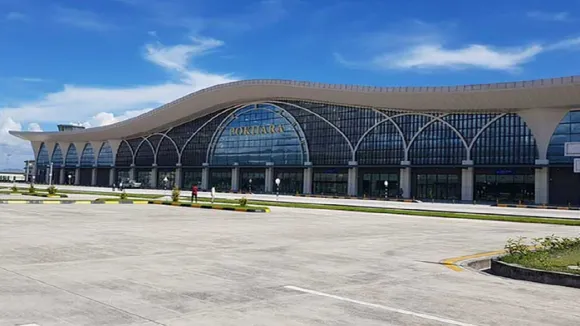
548 93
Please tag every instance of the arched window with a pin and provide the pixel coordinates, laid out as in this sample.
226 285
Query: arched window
259 134
507 141
88 156
71 160
145 155
105 158
567 131
124 155
57 157
381 146
437 144
167 154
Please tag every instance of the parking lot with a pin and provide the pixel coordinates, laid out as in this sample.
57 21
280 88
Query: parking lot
162 265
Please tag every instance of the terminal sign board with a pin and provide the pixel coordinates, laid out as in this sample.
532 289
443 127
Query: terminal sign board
256 130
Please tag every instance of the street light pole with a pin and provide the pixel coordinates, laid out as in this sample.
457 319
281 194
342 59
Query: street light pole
277 187
50 174
386 190
250 186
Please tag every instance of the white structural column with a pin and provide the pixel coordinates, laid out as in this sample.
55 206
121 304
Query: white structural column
352 178
542 182
153 177
77 176
132 172
61 177
94 177
467 179
235 178
542 123
112 178
269 178
205 177
405 178
307 184
179 176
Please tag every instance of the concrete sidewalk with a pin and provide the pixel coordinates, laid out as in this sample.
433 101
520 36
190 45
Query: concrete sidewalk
462 208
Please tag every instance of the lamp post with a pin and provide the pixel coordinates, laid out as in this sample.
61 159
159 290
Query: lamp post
386 189
165 181
277 181
50 166
250 185
69 179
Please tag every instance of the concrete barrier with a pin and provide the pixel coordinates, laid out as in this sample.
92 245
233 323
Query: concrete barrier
517 272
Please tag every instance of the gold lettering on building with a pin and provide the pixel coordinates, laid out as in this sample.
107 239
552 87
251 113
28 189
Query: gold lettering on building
257 130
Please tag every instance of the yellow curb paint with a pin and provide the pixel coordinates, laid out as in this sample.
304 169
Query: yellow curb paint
452 263
82 202
140 202
111 202
51 202
17 202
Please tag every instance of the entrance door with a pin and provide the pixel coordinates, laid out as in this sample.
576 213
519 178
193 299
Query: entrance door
257 183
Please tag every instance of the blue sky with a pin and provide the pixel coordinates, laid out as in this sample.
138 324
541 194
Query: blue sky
101 61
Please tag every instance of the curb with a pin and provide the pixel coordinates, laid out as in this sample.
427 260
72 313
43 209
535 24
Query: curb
206 206
361 198
521 273
70 202
458 264
565 208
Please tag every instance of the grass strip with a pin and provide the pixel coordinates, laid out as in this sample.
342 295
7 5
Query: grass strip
100 193
549 260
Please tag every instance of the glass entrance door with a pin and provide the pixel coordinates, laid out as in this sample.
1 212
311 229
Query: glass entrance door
258 183
438 186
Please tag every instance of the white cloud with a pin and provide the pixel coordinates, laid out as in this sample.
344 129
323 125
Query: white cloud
478 56
80 18
549 16
177 57
16 16
98 106
33 126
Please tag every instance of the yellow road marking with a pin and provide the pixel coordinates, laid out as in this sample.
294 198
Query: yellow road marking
111 202
452 263
51 202
82 202
140 202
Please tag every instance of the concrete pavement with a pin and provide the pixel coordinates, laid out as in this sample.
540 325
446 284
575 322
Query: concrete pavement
467 208
162 265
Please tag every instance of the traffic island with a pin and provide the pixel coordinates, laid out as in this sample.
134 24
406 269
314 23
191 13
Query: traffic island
501 268
248 209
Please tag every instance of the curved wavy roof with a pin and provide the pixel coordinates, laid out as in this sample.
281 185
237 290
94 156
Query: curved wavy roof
563 92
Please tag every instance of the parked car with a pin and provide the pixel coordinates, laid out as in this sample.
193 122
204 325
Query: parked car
127 183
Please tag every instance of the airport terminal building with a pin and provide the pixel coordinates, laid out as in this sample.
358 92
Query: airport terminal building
485 142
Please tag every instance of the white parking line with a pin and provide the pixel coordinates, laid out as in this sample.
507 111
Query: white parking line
378 306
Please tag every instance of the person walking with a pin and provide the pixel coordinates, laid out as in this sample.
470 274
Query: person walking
194 193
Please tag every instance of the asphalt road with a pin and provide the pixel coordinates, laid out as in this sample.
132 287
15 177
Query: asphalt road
162 265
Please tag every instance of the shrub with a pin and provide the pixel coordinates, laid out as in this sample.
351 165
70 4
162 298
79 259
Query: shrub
243 201
175 193
14 189
124 195
517 247
51 190
31 189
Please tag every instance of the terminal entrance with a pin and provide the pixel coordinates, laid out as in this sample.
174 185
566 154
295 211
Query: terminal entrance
221 179
291 181
330 181
258 180
505 185
437 184
373 183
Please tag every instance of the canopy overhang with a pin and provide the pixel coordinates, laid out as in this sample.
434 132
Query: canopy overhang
554 93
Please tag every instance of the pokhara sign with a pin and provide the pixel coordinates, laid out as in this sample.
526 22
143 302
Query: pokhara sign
257 130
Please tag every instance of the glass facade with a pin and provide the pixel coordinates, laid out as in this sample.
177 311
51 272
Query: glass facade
71 158
567 131
57 158
256 135
42 162
105 158
165 173
88 157
289 135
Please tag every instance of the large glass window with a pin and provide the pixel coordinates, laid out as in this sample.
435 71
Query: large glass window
373 184
331 181
122 174
145 155
504 185
42 162
221 179
190 178
257 135
168 154
57 158
124 155
258 183
105 158
437 144
162 174
87 157
72 158
291 180
144 177
508 141
437 185
567 131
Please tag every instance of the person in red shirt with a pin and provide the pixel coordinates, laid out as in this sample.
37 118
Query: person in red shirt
194 193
